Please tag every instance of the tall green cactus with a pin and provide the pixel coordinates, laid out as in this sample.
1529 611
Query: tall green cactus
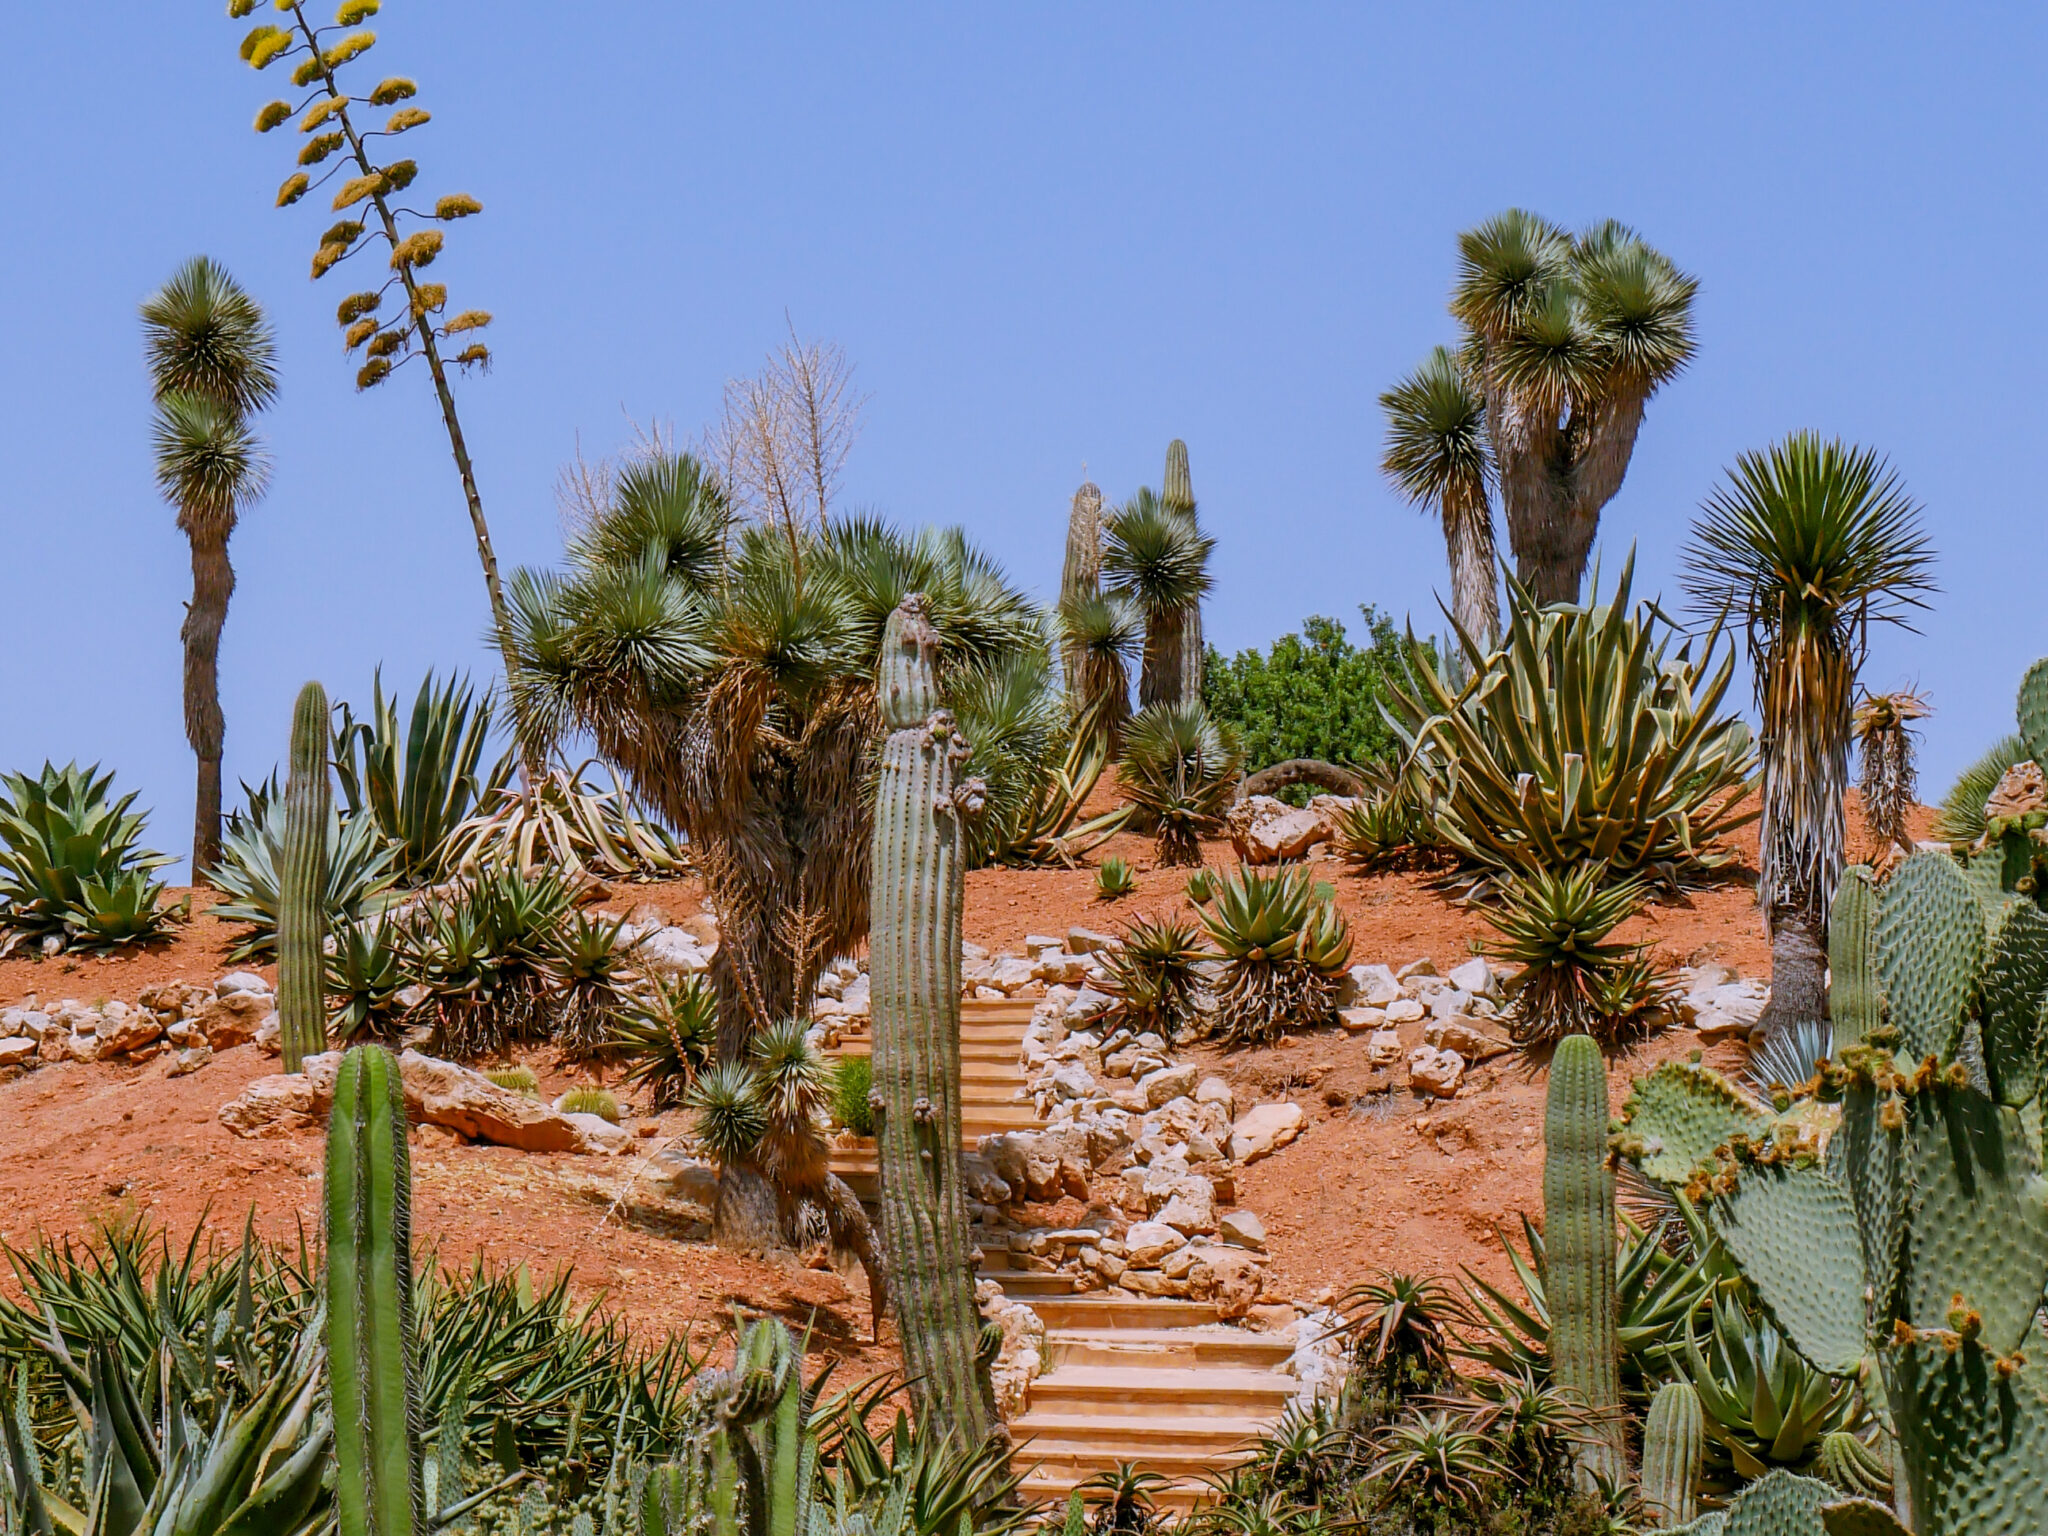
301 886
1081 575
377 1481
914 945
1918 1247
1855 1002
1177 491
1578 1240
1674 1447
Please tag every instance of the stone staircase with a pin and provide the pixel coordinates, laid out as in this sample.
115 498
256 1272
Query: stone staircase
1165 1384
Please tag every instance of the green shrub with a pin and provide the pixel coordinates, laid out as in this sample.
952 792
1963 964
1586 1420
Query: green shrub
71 864
853 1079
591 1101
1314 694
1114 879
359 869
517 1079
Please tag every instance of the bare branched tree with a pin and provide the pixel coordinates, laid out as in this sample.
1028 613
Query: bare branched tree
786 433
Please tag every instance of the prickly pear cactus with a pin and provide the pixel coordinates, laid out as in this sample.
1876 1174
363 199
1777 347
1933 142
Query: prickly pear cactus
914 942
1578 1237
1918 1239
1674 1445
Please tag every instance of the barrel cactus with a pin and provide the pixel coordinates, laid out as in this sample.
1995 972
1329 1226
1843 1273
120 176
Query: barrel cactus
1910 1245
1578 1235
918 862
302 886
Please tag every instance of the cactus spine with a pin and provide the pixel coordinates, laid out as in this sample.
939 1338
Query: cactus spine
369 1299
1178 493
1578 1239
301 885
914 942
1674 1445
1855 1003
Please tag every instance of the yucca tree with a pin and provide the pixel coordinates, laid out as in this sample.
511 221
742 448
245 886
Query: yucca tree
1812 542
1436 453
212 364
1156 556
1566 338
1099 638
729 675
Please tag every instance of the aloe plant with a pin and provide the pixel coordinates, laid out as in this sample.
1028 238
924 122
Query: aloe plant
71 864
1178 772
1282 944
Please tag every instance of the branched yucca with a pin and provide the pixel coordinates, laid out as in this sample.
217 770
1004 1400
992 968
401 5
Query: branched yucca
667 1036
1155 976
1179 770
1283 944
1572 979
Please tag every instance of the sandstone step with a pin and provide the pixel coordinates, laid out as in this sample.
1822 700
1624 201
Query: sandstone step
1159 1391
1166 1347
1095 1310
1082 1439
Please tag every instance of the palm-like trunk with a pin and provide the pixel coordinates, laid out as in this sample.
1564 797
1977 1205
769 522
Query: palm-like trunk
1160 676
213 583
1475 584
1556 479
1799 959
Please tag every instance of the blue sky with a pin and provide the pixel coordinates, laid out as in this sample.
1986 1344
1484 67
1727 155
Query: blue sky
1049 236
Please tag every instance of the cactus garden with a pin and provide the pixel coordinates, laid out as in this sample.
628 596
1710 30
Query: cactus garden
1168 890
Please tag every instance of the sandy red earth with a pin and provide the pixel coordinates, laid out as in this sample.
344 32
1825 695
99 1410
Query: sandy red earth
1379 1181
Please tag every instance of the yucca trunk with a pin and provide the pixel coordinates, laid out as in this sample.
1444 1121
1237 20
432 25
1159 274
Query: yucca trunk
1475 581
1161 677
213 583
914 942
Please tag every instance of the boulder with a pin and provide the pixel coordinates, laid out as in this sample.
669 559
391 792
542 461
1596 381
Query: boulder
1358 1021
1376 986
233 1018
598 1133
979 1178
2020 792
1214 1090
1242 1229
1466 1036
1229 1278
270 1105
1475 976
1263 1129
188 1060
1414 968
269 1036
1183 1214
16 1022
1264 830
1072 1081
1087 1004
1447 1001
1405 1010
1436 1071
1086 941
1383 1048
1150 1282
1147 1242
240 981
1729 1010
1168 1083
1010 974
129 1030
18 1050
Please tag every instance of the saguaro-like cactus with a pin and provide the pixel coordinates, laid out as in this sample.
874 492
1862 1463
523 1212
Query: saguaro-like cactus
1081 575
301 887
1578 1240
1674 1445
914 946
1177 491
1920 1240
377 1485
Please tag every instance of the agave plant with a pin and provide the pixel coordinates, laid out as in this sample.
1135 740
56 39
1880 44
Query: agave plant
592 981
366 973
1374 830
1656 1296
1114 879
1154 975
485 955
1178 771
668 1034
563 821
418 788
1283 944
71 864
1765 1406
359 869
1573 980
1583 738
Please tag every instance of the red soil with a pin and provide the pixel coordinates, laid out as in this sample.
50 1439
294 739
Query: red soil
1396 1182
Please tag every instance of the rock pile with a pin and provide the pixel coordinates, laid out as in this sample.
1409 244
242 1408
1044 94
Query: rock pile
192 1022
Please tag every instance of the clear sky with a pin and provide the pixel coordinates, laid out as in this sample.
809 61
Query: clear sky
1050 236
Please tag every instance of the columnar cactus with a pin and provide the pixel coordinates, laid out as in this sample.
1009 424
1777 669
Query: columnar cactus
914 944
1177 491
1674 1446
302 885
1578 1240
377 1486
1081 576
1915 1244
1854 1004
